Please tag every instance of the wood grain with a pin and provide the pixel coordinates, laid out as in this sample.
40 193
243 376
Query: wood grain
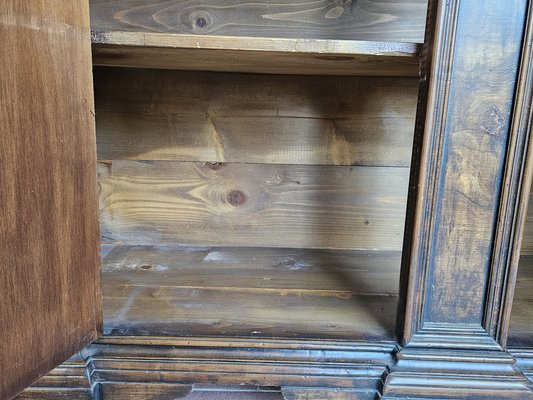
142 390
464 127
51 305
521 328
259 268
527 240
217 117
398 20
170 290
251 205
291 393
68 381
478 123
250 54
268 363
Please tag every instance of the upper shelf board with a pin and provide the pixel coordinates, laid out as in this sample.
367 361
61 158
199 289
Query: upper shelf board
255 54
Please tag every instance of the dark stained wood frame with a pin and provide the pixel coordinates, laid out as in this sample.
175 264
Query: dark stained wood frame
440 343
449 345
428 178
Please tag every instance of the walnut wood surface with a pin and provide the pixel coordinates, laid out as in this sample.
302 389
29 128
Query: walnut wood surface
395 21
341 365
261 205
463 131
68 381
169 290
245 118
51 304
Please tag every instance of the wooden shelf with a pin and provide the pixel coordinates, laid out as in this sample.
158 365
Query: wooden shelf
257 292
254 54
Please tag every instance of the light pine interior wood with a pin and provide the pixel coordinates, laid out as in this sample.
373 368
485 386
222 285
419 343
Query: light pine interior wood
254 118
252 204
283 37
170 290
521 330
363 20
521 327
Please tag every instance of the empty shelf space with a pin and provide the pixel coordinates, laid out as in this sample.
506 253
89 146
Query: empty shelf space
172 290
521 330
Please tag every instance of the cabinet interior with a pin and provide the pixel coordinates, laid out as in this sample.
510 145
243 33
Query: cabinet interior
254 165
521 331
252 204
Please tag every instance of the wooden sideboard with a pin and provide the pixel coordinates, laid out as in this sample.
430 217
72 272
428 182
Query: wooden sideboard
291 199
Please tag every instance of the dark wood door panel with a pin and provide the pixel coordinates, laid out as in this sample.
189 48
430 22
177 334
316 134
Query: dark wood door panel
51 305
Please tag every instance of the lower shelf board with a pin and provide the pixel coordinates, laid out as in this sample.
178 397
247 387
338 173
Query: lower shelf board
521 330
250 292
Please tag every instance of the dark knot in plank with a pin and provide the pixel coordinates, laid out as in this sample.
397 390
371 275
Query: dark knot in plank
236 198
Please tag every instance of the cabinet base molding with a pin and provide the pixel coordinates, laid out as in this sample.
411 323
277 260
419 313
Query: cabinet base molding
524 362
299 369
422 373
68 381
142 368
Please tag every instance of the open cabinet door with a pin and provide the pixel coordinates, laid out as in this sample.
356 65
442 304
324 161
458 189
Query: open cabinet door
50 303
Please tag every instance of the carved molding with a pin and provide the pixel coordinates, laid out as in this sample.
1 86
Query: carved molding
514 200
300 367
467 194
455 374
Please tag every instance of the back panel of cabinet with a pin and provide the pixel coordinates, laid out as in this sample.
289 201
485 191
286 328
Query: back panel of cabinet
252 204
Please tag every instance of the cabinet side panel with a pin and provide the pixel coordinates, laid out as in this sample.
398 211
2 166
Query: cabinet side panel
51 304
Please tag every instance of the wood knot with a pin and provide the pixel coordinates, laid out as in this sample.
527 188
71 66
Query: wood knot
214 165
200 21
339 9
236 198
493 122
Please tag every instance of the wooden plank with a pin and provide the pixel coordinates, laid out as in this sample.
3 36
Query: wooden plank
291 393
521 328
51 305
218 117
179 311
251 205
527 239
55 394
250 291
142 390
398 21
261 364
260 55
68 381
329 271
